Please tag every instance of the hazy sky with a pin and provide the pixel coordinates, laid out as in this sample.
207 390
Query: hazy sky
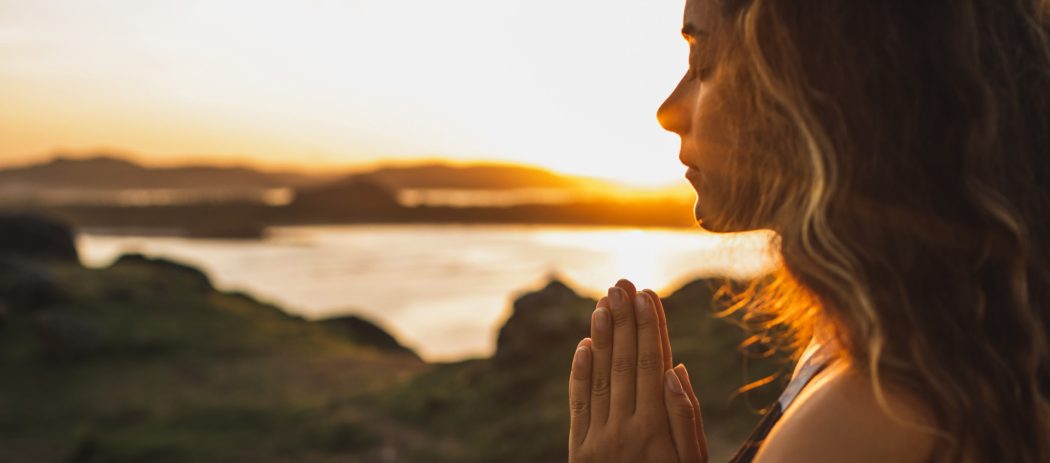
567 84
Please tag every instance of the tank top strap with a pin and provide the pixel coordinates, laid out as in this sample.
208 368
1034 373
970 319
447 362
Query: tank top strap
813 365
813 361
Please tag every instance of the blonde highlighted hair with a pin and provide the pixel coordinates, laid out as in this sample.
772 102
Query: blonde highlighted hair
900 151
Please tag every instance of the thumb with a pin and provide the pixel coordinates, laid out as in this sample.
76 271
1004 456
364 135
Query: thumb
701 438
682 418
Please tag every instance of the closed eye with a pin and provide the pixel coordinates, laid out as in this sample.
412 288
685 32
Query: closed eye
691 33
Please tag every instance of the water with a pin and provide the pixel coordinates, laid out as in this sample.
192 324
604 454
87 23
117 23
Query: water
443 290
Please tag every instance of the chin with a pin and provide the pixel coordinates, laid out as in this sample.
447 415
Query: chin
711 221
712 217
704 222
696 213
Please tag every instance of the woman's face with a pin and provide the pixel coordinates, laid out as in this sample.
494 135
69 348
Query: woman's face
696 111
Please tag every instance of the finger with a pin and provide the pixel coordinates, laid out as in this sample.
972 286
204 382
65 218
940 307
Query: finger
601 359
682 420
650 360
624 354
580 395
665 338
701 436
626 285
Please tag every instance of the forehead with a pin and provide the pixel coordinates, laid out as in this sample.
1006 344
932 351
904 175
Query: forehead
701 14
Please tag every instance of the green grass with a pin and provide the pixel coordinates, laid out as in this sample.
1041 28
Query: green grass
185 373
182 372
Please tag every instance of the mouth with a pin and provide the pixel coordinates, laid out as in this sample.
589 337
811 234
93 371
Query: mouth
693 174
692 169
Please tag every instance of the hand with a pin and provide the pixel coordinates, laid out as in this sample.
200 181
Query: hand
627 403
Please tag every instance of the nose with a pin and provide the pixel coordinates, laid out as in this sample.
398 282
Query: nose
675 114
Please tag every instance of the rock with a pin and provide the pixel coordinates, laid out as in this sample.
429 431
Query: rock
364 333
351 199
27 285
195 277
542 322
37 238
66 336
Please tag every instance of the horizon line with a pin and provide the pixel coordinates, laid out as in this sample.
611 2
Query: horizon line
284 167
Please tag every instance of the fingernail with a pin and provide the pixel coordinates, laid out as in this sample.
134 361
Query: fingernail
652 294
603 302
624 284
601 319
641 304
673 383
681 368
582 358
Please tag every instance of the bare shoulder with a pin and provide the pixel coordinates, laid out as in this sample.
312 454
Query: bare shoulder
837 418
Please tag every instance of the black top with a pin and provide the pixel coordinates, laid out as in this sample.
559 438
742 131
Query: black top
814 363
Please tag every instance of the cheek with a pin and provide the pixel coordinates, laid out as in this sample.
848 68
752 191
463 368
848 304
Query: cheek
711 138
714 146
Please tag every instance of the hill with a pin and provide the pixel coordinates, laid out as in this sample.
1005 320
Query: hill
109 172
146 361
109 193
473 177
106 172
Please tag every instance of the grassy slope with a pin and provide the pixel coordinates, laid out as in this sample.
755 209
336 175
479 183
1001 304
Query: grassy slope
186 373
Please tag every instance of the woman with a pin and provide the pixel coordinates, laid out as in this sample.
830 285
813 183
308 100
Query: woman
898 148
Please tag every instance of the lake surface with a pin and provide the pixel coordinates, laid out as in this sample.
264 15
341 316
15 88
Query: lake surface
443 290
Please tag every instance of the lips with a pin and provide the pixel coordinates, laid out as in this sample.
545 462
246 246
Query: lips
685 155
693 174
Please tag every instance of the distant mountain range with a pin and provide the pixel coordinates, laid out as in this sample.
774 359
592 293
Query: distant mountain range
475 177
110 193
111 173
106 172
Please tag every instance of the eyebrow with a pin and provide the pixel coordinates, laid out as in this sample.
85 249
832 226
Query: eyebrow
691 30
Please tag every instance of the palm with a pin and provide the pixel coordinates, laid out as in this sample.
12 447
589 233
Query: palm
653 442
626 401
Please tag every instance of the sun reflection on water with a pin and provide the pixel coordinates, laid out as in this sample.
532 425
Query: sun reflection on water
443 289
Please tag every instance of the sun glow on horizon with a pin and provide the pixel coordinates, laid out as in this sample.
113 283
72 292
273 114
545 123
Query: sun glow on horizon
572 87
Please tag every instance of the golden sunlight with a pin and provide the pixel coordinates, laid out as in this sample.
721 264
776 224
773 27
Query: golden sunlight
656 258
567 86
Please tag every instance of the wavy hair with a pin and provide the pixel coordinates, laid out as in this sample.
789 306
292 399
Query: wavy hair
899 149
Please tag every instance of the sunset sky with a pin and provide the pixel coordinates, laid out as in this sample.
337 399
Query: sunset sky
568 85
